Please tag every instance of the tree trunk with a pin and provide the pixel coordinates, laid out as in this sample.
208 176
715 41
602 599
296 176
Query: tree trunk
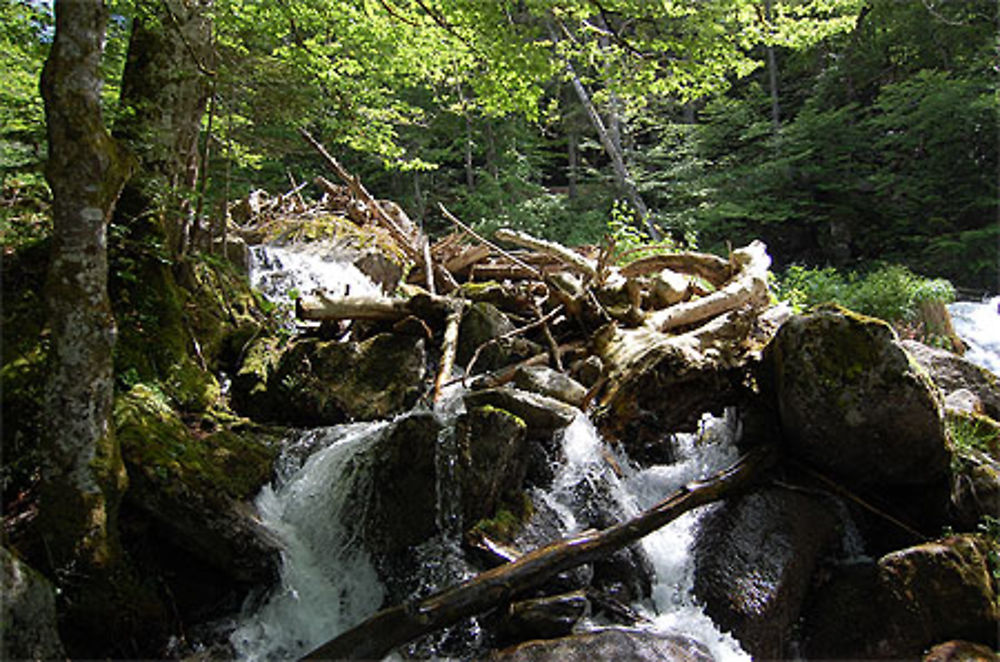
165 89
617 161
83 476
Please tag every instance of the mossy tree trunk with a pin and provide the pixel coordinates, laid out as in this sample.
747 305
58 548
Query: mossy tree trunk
165 88
83 476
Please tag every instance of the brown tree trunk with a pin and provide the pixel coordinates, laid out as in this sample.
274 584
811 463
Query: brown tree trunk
83 476
165 89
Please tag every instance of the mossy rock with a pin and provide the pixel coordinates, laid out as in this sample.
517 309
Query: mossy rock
483 322
192 482
321 382
492 459
852 402
249 388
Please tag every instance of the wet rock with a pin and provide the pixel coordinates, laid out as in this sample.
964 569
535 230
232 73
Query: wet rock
907 601
754 560
588 370
544 618
482 323
961 651
327 382
608 644
551 383
852 403
951 372
27 613
491 462
976 491
399 494
541 414
249 387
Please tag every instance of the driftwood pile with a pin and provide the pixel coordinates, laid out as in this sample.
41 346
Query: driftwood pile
671 326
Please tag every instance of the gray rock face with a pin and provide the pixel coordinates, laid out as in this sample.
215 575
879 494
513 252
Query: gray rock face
27 613
327 382
951 373
754 560
608 644
542 415
400 494
481 323
552 383
545 618
851 402
908 601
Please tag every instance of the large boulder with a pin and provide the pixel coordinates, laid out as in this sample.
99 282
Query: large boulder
320 382
542 415
754 561
952 373
852 402
398 495
190 490
27 613
908 601
610 644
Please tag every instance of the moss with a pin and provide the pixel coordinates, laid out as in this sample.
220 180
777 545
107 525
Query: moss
973 432
488 410
510 517
156 441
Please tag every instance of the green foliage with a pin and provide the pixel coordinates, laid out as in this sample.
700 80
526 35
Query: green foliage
631 243
891 292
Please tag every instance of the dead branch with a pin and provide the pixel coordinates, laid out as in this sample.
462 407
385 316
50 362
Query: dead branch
712 268
451 217
448 348
541 321
571 259
397 625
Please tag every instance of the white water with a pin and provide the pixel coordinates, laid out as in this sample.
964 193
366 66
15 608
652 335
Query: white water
327 583
978 324
280 271
673 609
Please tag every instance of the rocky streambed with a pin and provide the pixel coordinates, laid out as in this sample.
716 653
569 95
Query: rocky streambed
349 483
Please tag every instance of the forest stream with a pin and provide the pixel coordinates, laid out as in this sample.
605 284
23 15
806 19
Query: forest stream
329 582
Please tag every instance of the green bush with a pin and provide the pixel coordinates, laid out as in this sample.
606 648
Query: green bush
890 292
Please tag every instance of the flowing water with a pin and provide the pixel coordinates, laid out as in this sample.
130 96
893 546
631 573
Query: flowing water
978 324
328 583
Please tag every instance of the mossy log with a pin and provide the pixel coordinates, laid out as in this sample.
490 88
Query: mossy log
397 625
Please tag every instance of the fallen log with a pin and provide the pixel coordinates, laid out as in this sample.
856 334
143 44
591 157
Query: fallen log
389 628
320 307
449 348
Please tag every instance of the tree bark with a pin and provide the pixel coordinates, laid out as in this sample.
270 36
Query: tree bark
397 625
83 476
165 90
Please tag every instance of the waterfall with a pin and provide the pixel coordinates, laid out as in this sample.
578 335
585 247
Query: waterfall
978 324
280 272
329 583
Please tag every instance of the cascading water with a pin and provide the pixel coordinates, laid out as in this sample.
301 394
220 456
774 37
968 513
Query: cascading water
328 582
978 324
281 271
